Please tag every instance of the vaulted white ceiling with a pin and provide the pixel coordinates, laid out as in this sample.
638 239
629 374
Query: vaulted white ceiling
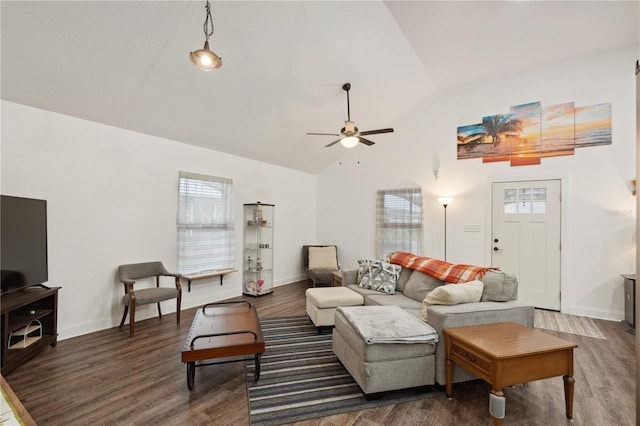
125 63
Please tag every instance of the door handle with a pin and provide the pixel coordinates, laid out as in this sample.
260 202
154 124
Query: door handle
496 249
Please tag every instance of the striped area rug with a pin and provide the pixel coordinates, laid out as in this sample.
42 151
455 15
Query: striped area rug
301 378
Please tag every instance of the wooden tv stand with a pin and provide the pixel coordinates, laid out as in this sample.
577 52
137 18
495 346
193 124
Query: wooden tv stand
29 324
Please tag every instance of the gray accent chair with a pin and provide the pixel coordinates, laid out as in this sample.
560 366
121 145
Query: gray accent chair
318 276
128 275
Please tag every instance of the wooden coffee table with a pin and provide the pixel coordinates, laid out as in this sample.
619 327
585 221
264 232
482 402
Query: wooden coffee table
506 354
229 330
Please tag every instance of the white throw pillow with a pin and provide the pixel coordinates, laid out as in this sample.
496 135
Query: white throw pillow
323 258
452 294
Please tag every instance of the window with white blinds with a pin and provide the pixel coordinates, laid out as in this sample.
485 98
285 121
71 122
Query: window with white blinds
399 221
205 223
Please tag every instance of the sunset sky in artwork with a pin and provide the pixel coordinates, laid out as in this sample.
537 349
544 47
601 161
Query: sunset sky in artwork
558 119
593 117
530 116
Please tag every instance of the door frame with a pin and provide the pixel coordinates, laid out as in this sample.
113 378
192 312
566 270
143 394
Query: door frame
565 212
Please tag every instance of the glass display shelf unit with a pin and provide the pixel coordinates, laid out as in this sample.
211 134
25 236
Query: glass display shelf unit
258 249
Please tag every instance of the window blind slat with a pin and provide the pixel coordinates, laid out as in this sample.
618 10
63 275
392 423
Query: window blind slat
399 225
206 237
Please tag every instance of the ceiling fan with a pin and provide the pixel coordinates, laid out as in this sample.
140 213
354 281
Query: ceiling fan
350 133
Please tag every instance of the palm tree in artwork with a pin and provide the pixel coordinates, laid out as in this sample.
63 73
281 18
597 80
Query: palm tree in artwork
496 125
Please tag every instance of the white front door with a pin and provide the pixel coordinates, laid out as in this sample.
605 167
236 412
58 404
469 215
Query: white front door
526 238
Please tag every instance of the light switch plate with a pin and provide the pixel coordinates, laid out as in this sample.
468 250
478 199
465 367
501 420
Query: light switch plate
471 228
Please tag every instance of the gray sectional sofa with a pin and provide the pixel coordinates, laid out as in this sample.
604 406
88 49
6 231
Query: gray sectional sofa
498 304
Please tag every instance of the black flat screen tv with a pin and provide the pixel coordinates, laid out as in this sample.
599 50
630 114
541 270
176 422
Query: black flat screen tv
23 231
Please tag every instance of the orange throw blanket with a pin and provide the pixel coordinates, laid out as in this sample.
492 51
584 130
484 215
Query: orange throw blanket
439 269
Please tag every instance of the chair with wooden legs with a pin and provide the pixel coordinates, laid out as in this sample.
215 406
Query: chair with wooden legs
319 263
130 273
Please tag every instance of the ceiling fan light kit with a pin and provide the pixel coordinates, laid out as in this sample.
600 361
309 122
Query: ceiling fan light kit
205 59
349 141
351 136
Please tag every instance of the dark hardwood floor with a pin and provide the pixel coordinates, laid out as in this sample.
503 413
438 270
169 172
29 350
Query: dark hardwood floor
106 378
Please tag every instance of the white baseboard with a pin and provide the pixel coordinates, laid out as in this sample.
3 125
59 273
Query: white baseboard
596 313
289 280
189 300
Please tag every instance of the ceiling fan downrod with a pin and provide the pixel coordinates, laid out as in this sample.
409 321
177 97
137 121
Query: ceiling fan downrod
349 135
347 87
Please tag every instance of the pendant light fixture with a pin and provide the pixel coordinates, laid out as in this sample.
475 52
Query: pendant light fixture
204 58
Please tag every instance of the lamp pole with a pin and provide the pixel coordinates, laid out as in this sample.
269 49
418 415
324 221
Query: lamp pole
445 202
445 232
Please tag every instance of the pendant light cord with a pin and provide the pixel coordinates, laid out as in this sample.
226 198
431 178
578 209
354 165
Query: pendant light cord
208 21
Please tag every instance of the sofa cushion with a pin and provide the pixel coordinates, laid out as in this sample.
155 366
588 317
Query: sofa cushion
397 299
378 275
151 295
419 285
403 278
498 286
363 291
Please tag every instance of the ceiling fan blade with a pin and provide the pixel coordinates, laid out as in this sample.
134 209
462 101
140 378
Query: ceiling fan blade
324 134
375 132
365 141
333 143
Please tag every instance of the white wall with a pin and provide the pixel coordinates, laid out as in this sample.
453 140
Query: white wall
112 193
112 199
598 217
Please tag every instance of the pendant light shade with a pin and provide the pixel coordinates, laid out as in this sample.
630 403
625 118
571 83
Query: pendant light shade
205 59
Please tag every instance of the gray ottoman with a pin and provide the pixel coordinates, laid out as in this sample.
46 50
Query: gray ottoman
381 367
322 303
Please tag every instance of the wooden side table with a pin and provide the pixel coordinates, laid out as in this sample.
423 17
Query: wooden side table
506 354
336 279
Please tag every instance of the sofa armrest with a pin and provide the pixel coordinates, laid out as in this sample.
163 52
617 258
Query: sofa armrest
449 316
349 277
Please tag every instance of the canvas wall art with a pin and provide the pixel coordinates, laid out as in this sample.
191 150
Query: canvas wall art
558 130
530 132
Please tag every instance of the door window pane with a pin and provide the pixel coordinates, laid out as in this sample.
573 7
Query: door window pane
539 204
525 201
510 207
510 195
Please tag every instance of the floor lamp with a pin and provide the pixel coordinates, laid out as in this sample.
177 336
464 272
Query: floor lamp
445 201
